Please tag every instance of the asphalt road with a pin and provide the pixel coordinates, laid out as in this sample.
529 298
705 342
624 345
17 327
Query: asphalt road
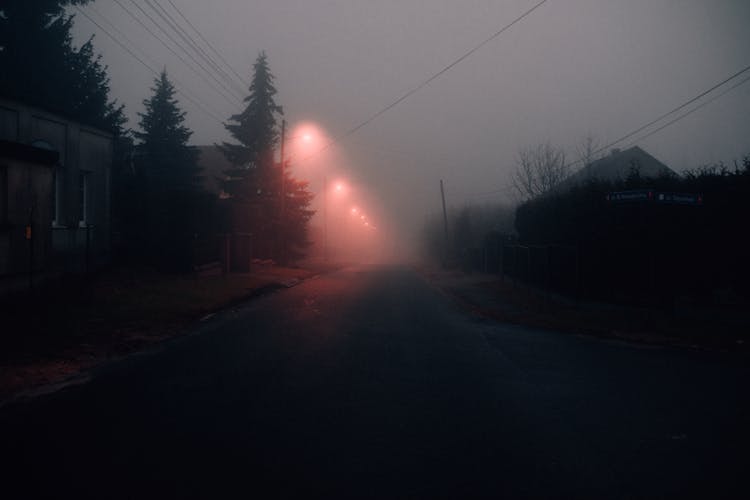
368 383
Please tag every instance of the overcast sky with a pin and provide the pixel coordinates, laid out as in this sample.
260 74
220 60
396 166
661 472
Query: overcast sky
569 69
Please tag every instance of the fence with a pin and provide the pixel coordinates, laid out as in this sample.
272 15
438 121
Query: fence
634 273
233 251
552 267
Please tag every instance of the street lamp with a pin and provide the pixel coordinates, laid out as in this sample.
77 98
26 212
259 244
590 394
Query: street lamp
282 243
306 137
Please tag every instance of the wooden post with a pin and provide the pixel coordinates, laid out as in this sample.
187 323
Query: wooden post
445 225
227 252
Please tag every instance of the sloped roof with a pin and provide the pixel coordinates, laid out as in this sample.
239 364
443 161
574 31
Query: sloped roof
617 166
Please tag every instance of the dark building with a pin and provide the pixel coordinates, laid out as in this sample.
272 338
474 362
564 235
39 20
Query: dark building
55 176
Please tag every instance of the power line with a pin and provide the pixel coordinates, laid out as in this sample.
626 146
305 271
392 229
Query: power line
183 49
146 65
210 46
163 43
237 84
165 16
205 55
664 115
161 40
429 80
665 125
691 111
117 30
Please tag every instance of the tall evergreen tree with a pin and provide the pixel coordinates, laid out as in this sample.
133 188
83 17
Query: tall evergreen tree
255 129
168 169
41 66
297 215
254 183
171 164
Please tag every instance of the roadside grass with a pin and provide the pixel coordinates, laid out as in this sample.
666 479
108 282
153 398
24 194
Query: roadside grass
697 327
51 335
490 296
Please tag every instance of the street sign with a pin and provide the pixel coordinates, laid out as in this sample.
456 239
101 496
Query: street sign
679 198
650 196
633 196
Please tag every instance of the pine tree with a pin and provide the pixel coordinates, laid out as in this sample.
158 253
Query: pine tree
256 131
168 168
41 66
171 163
253 184
297 215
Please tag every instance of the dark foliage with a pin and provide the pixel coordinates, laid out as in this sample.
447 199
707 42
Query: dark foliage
171 164
254 184
647 251
255 130
470 229
40 65
171 204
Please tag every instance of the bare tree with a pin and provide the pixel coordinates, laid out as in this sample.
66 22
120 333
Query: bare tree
588 150
539 169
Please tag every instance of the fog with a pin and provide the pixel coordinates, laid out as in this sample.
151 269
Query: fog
570 69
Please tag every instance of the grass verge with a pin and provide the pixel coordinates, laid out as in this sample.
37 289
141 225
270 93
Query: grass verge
54 334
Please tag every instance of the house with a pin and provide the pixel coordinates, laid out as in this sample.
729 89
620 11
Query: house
55 177
618 165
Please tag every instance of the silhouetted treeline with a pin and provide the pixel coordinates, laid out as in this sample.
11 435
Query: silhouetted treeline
40 65
473 230
646 251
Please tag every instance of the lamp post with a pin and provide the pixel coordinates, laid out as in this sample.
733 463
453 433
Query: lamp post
282 242
325 217
306 137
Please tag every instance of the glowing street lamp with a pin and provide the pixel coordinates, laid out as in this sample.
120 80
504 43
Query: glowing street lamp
307 138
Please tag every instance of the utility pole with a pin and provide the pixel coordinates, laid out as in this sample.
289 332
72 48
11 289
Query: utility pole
282 225
445 224
325 218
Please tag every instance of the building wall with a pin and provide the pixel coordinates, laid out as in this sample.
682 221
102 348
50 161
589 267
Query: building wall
27 190
81 196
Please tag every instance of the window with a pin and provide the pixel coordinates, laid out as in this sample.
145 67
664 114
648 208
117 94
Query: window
83 199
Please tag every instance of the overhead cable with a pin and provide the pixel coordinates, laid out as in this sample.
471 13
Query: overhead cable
429 80
146 65
230 100
210 46
665 115
227 83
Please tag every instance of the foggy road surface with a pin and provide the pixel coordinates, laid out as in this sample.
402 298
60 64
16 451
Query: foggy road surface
368 383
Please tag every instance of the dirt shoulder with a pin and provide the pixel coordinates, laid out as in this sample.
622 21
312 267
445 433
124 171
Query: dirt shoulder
493 297
62 331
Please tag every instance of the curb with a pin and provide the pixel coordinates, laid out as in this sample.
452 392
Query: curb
85 375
